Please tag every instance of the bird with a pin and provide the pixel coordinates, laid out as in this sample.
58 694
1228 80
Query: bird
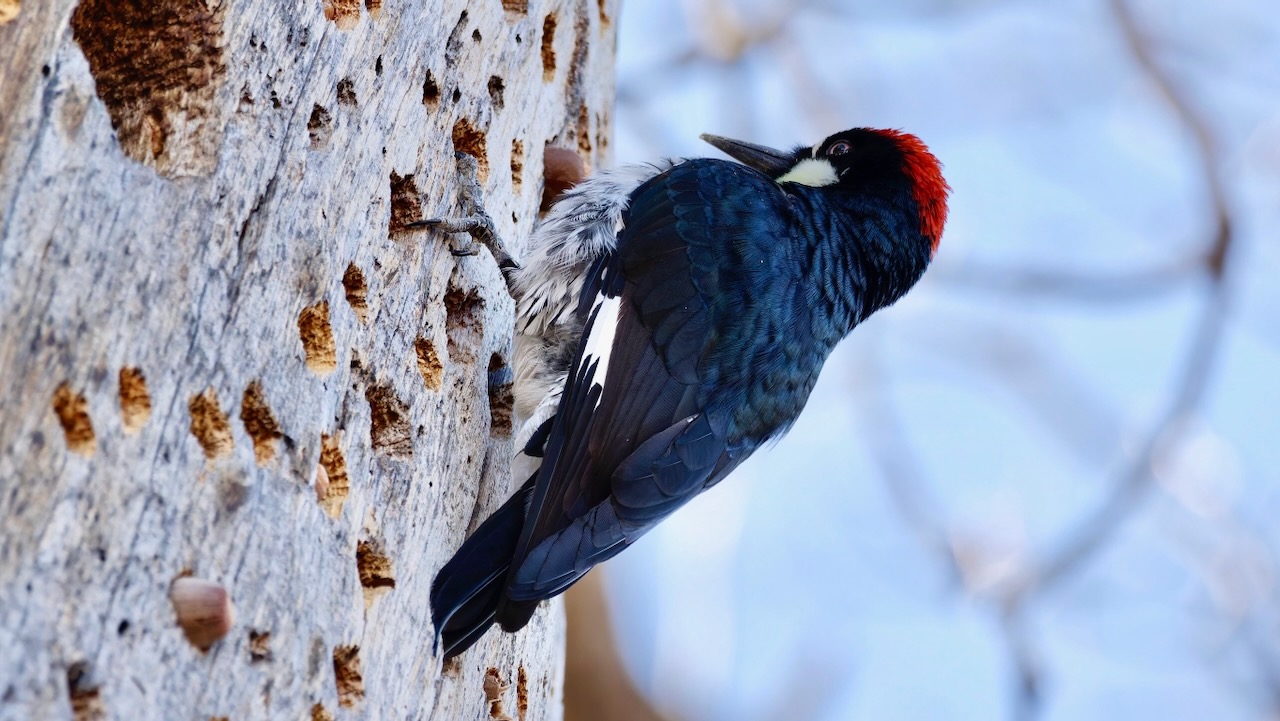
671 319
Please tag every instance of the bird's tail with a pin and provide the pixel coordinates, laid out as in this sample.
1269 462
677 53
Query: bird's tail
467 591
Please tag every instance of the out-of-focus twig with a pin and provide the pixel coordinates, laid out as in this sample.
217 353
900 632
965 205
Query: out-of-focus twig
886 439
726 40
1082 542
1097 528
1048 389
1240 572
1206 147
1079 287
1026 668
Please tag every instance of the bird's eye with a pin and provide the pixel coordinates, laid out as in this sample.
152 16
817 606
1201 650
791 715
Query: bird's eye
840 147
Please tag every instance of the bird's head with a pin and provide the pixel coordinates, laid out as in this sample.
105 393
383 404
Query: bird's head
858 160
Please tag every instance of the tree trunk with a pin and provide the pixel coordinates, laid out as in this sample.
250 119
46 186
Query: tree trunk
222 354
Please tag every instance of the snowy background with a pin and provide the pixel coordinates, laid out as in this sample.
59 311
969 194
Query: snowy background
1046 485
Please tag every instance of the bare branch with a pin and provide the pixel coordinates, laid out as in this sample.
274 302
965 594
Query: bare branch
886 439
1027 698
1206 146
1134 285
1056 396
1131 483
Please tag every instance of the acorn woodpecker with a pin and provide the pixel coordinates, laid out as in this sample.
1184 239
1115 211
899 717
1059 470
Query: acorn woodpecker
671 319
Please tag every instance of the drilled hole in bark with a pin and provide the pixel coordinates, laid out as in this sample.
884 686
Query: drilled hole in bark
406 204
602 134
548 48
209 425
517 164
357 291
319 127
135 400
346 672
468 139
584 131
374 568
259 423
430 92
464 326
522 693
72 411
494 687
501 399
9 10
343 13
317 338
389 431
347 93
86 699
157 65
233 492
429 364
320 713
259 646
453 45
332 483
496 88
516 6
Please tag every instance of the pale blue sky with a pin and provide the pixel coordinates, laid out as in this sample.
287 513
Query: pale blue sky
800 572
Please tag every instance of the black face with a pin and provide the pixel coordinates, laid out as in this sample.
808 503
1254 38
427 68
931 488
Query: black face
855 157
858 156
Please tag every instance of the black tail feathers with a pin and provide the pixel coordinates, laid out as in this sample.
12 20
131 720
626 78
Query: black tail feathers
467 592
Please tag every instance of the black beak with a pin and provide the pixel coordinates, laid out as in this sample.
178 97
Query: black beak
767 160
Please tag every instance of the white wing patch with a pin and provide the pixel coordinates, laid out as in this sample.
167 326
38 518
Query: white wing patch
814 172
600 341
581 226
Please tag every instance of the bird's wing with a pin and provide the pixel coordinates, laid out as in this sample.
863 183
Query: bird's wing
640 429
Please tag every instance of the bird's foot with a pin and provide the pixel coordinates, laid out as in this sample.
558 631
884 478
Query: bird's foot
477 226
475 222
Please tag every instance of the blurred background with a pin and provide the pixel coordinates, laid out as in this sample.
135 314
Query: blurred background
1046 484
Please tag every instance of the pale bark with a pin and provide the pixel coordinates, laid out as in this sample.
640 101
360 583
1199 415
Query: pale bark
206 296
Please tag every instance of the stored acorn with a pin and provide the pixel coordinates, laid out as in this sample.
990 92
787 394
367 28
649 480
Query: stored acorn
204 610
322 483
562 169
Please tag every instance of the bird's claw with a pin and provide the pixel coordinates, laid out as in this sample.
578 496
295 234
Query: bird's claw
471 225
476 222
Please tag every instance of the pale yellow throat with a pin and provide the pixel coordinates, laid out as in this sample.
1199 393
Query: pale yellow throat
814 172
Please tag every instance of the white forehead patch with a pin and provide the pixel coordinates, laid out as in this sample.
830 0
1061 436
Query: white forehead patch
814 172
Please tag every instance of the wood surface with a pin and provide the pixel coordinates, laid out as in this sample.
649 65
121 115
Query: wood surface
222 356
